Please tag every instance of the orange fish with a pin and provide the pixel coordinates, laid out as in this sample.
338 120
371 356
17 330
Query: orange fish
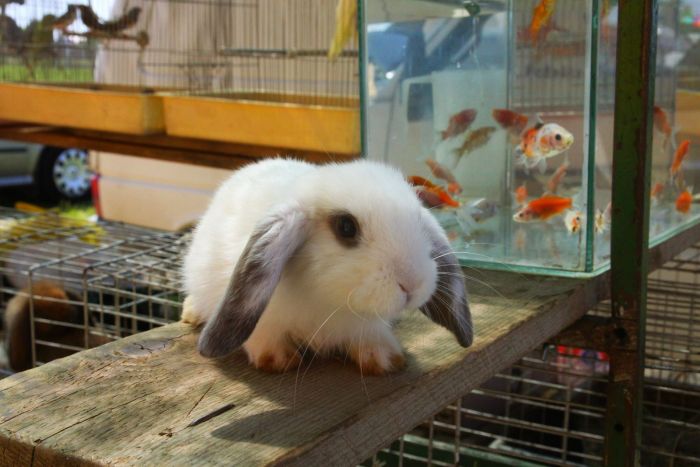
543 208
459 123
541 15
661 124
521 194
556 178
454 188
417 180
476 139
684 201
429 199
443 173
657 190
443 195
509 120
679 156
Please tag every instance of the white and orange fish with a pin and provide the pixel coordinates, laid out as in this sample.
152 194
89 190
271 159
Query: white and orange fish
573 220
602 219
541 142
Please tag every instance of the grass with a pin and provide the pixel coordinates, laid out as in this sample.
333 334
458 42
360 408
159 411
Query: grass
80 72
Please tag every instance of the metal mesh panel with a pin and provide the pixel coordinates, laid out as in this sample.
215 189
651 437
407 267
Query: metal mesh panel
549 408
68 285
221 46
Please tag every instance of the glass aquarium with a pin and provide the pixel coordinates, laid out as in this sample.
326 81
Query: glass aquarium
501 113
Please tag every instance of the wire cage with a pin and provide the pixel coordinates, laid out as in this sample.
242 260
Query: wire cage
549 408
93 283
192 45
68 285
242 71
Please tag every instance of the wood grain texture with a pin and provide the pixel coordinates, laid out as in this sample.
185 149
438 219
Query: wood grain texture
160 147
107 109
260 123
134 401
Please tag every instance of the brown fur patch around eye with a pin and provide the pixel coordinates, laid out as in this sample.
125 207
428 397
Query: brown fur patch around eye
335 220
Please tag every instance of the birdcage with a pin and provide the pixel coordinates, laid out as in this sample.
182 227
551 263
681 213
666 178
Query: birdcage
244 71
68 285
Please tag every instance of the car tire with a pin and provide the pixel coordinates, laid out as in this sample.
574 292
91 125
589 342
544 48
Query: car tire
63 174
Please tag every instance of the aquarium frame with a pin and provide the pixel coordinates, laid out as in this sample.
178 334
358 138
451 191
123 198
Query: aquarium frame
629 248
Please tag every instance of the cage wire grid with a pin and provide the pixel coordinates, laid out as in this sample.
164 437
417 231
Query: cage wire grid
80 284
188 46
549 408
106 281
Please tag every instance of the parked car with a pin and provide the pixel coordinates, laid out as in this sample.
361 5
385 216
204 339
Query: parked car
58 173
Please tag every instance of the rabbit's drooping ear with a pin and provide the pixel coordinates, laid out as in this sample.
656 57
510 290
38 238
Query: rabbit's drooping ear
254 279
448 306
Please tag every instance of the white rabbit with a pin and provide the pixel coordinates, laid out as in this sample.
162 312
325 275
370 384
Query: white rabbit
291 256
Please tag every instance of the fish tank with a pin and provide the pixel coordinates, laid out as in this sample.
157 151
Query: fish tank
501 114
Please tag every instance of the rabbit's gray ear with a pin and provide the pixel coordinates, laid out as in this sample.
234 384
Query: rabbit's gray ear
254 279
448 306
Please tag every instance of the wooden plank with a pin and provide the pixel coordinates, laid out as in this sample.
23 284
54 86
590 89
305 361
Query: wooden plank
161 147
258 123
133 401
103 108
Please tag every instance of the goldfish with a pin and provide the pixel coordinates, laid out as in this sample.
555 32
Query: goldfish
678 157
429 199
543 208
542 142
541 15
602 219
459 123
521 194
435 196
573 220
684 201
509 120
661 124
656 191
443 173
345 26
417 180
556 178
476 139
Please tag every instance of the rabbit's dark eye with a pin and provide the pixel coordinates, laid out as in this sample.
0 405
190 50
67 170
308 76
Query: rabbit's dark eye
345 228
557 137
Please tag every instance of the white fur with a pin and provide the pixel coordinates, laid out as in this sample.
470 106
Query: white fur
330 296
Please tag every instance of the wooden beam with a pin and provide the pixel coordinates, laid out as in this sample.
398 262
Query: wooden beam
159 146
151 399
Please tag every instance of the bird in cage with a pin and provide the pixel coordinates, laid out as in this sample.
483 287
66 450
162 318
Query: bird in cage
66 19
94 23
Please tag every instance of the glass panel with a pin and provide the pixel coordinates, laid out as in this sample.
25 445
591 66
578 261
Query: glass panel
676 138
464 86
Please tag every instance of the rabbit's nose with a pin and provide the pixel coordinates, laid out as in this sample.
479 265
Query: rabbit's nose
403 287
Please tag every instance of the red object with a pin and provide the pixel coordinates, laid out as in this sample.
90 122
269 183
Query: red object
95 190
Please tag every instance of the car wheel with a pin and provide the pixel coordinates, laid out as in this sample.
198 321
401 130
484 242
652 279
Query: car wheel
64 174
